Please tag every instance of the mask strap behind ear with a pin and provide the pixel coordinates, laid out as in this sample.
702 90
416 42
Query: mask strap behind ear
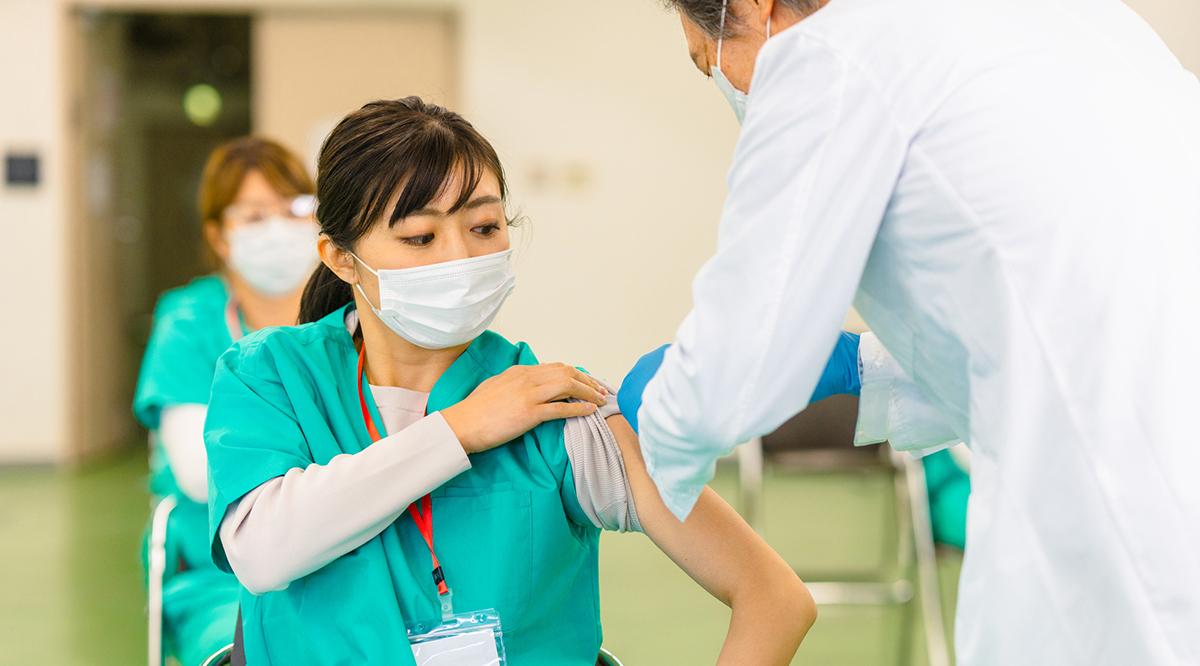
364 264
721 31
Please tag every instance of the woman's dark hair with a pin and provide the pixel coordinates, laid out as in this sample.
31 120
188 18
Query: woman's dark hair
368 157
707 13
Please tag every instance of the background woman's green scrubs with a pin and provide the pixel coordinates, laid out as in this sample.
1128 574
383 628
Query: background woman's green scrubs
949 489
190 333
509 532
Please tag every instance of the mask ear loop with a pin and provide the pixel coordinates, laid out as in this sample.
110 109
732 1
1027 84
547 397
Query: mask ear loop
358 285
721 31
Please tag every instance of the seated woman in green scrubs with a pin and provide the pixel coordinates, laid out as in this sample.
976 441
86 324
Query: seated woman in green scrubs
256 202
392 461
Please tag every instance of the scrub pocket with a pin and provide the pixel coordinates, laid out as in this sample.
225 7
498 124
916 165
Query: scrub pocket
484 541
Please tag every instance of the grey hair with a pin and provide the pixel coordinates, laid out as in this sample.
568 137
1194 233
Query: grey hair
707 13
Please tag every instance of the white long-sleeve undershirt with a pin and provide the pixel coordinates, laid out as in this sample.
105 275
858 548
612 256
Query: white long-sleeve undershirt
295 524
181 431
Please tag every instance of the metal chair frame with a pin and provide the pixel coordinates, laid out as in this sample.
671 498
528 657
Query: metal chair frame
609 659
157 561
220 657
915 547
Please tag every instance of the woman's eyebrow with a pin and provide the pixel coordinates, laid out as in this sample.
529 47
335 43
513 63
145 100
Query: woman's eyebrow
477 202
485 200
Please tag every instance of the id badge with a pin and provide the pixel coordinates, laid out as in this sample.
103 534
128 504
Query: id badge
467 639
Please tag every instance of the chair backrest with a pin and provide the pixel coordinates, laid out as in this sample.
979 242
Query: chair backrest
823 430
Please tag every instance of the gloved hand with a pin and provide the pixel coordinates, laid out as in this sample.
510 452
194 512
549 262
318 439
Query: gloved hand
840 376
629 397
841 373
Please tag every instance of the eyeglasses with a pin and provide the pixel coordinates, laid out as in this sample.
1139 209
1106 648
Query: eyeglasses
297 208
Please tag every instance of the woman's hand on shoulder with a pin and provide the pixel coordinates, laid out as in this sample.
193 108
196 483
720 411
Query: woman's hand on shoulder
519 399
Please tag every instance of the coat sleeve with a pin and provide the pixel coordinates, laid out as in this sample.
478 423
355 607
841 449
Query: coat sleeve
812 176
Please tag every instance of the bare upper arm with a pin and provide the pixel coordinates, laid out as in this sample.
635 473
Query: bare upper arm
714 545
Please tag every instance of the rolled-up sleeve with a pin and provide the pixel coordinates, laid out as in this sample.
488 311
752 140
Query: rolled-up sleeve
601 483
813 173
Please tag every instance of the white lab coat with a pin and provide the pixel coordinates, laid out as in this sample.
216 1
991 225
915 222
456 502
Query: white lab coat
1010 194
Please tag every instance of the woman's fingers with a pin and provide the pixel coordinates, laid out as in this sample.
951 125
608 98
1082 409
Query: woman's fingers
591 381
553 372
552 411
566 389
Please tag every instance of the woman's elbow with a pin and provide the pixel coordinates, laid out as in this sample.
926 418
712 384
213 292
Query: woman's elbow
257 579
805 610
790 601
254 568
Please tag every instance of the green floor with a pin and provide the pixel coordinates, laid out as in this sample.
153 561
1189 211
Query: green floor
72 591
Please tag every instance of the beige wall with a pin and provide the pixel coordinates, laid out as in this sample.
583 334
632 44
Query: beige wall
301 92
616 151
1178 21
33 389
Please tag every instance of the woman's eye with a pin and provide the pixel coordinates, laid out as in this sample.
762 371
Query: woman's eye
418 241
488 229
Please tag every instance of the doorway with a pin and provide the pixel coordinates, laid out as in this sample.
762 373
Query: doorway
154 92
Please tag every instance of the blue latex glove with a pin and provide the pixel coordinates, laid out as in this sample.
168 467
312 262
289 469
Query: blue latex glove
839 376
629 398
841 371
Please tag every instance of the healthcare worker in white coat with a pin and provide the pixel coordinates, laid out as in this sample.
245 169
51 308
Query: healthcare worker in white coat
1009 194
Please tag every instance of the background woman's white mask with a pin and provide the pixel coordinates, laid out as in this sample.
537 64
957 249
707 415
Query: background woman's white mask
443 305
274 256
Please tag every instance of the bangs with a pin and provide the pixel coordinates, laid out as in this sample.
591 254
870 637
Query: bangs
421 169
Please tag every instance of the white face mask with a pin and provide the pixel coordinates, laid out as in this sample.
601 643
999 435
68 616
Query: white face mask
443 305
736 98
275 255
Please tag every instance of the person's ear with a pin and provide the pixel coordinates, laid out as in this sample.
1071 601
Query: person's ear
214 235
763 10
337 260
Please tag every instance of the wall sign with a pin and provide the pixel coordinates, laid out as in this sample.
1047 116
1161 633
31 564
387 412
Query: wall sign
22 169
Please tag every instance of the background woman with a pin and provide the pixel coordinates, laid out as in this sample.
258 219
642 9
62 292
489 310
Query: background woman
256 203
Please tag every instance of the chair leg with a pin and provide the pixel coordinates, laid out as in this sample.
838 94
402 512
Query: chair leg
929 589
158 565
750 482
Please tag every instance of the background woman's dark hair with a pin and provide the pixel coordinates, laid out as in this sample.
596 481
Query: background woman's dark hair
368 157
707 13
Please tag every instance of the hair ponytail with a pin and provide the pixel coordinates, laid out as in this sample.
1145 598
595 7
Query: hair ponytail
324 293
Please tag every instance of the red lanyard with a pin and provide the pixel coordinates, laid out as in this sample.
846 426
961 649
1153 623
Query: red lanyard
422 516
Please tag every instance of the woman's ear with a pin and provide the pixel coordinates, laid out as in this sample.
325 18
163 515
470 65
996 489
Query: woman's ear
763 9
337 260
215 237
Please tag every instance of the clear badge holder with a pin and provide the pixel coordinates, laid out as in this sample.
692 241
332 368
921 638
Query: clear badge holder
460 639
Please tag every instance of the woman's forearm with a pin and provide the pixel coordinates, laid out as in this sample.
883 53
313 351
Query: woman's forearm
293 525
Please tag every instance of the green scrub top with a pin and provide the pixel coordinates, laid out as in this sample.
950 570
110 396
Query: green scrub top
949 489
189 334
509 532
